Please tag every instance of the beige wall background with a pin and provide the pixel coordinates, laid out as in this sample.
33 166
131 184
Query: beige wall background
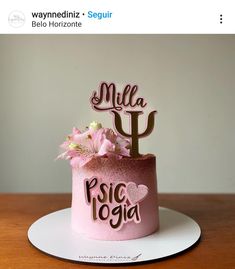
46 82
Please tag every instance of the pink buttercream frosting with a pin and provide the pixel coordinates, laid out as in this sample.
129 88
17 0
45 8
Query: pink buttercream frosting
141 171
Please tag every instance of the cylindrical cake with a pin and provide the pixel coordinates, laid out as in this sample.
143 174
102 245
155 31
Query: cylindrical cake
115 199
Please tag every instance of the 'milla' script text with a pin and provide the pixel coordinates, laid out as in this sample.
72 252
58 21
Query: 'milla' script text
107 98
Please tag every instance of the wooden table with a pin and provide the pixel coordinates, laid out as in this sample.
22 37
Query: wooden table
214 213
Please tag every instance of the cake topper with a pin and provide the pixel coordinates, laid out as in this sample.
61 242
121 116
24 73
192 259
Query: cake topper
108 99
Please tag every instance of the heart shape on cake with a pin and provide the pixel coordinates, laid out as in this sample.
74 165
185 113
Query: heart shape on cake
135 193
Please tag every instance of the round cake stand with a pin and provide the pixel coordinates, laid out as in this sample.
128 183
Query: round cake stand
53 235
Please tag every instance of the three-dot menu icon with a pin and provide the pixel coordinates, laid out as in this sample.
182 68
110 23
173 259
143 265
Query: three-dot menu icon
221 18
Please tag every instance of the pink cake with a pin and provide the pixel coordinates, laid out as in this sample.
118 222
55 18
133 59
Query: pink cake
114 194
142 172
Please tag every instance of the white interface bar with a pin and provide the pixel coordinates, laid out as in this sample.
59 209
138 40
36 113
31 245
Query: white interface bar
118 16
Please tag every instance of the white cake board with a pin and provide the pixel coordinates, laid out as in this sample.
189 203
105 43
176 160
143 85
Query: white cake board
53 235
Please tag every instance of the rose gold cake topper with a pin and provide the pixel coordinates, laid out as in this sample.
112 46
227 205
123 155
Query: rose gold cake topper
108 99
